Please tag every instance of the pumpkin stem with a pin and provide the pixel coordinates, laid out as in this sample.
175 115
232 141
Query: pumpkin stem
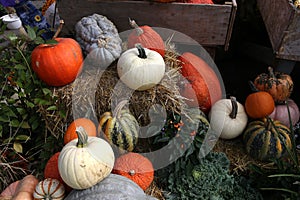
271 72
117 110
268 123
142 52
134 25
131 172
61 23
234 110
82 137
253 87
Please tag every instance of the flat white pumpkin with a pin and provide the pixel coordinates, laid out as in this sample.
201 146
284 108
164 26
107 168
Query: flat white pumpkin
85 161
141 68
228 117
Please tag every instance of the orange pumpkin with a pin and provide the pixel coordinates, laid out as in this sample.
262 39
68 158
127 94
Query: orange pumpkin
203 88
259 104
51 168
86 123
57 64
147 37
136 167
278 84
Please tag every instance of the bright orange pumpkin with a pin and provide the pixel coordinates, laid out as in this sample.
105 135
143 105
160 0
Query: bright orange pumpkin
57 64
88 125
259 104
203 88
136 167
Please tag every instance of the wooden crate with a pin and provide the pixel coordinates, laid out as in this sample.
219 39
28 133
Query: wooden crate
209 25
282 21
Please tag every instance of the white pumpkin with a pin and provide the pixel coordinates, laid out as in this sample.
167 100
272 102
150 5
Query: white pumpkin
85 161
141 68
49 189
228 117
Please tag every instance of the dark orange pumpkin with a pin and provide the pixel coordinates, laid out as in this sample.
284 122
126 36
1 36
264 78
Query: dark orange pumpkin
278 84
51 168
136 167
57 64
86 123
259 104
147 37
203 88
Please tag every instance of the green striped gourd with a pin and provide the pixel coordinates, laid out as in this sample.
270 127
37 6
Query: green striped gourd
267 139
119 128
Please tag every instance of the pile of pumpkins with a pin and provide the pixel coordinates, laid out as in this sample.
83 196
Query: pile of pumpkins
265 120
87 165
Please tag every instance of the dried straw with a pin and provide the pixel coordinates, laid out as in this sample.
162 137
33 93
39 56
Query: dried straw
96 91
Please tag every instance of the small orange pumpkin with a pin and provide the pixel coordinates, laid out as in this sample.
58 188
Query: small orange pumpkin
147 37
57 64
278 84
259 104
86 123
136 167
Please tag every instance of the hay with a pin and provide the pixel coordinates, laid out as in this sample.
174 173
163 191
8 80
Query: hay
96 91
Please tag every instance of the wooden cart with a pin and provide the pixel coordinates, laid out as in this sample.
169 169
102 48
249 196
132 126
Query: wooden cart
208 24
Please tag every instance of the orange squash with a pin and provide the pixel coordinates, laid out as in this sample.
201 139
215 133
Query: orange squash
203 88
136 167
259 104
86 123
57 64
147 37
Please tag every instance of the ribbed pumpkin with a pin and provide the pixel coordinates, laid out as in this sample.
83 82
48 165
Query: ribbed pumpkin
113 187
267 139
57 64
147 37
119 128
203 88
85 161
278 84
86 123
281 112
99 39
136 167
49 189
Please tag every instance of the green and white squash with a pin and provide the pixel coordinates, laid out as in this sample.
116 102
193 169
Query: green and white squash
99 39
113 187
267 139
120 128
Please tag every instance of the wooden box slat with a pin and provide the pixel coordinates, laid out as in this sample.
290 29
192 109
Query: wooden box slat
209 25
282 21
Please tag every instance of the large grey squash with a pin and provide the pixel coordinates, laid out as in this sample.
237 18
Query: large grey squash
113 187
99 40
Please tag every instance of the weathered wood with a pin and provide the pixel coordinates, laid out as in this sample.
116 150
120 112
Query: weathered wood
282 21
209 25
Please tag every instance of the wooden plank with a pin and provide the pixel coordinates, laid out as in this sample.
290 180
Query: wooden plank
282 21
276 15
205 24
